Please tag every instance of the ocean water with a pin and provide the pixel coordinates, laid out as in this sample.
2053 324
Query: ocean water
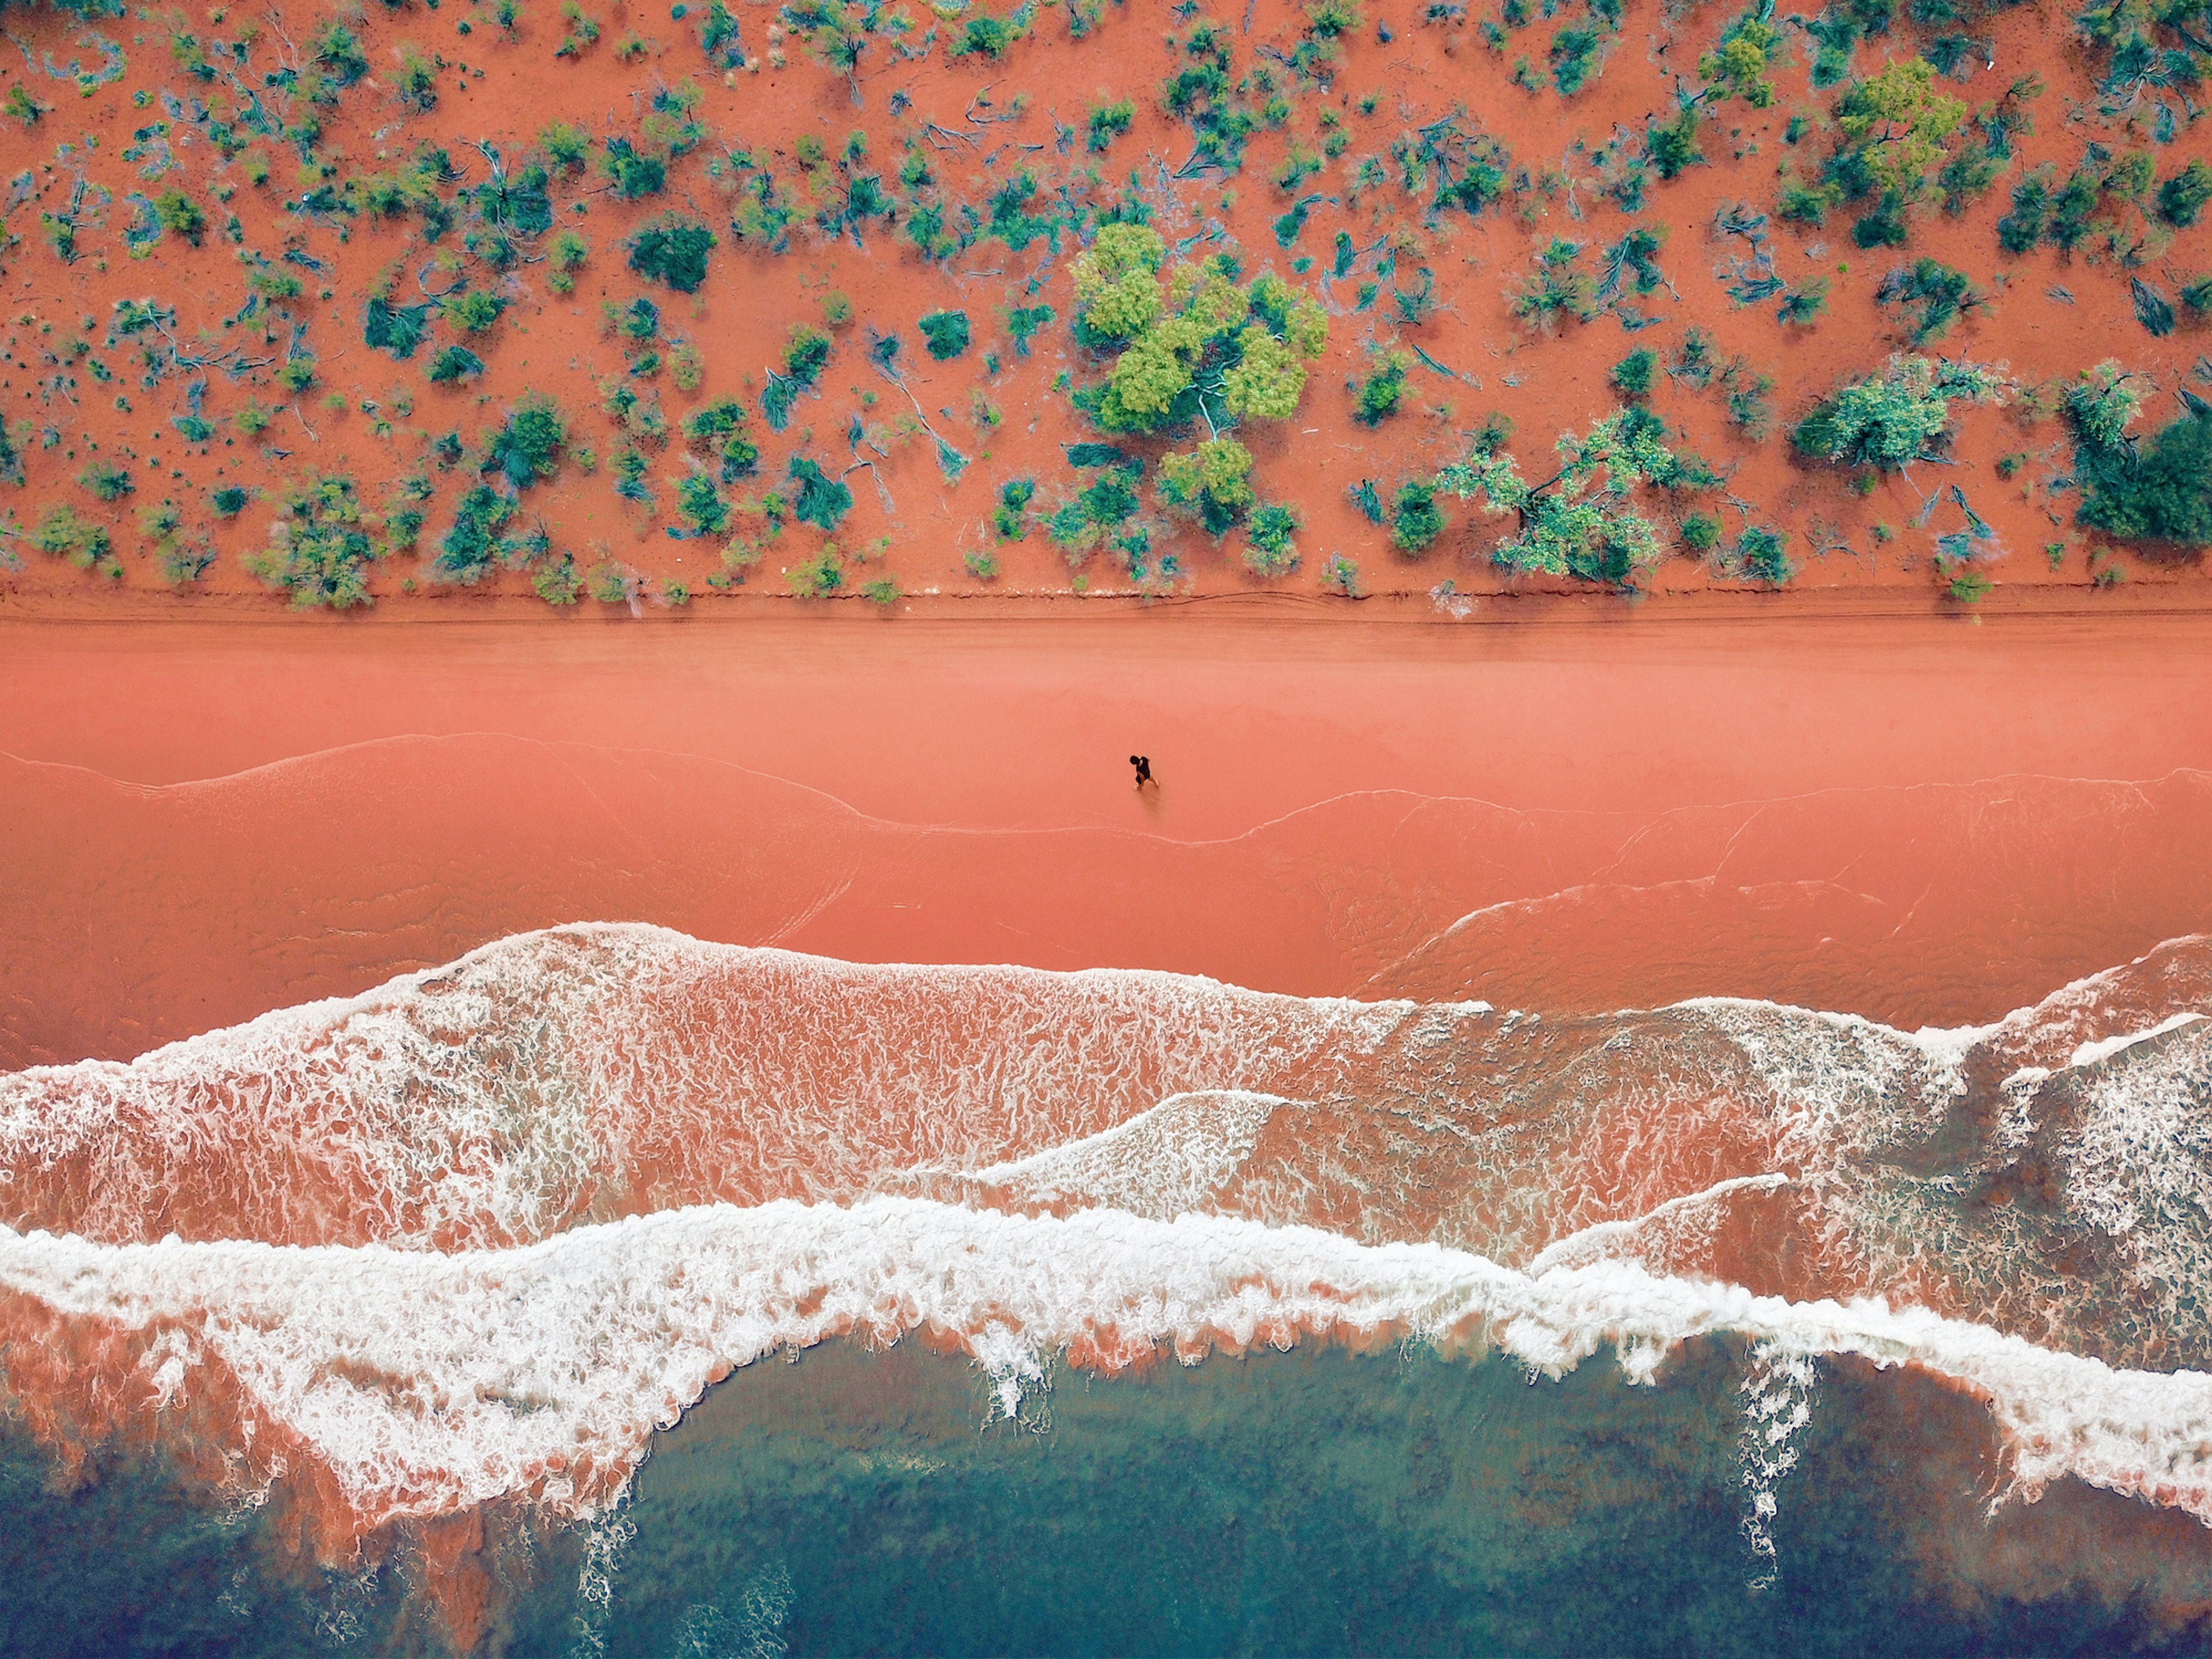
610 1292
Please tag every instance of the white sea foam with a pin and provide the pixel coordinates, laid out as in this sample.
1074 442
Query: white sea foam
588 1070
2090 1053
425 1383
1176 1157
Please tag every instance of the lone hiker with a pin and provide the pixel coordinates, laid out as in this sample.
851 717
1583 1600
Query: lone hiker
1144 765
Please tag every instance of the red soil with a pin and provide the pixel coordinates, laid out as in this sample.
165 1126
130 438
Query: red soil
1788 811
739 319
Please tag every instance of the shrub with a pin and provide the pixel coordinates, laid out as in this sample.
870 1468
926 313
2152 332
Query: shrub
297 375
62 534
1760 555
106 481
1270 532
631 173
473 544
1970 587
567 146
672 249
722 424
183 563
2183 197
455 362
984 36
1023 322
1383 391
819 577
1415 518
1573 56
2020 230
417 82
1213 484
230 500
946 332
1801 304
1806 205
2101 403
822 500
1701 533
317 551
804 353
181 214
473 311
1330 18
613 582
701 505
1885 227
396 329
1673 146
1632 376
1939 293
1897 416
1108 123
555 580
1010 518
529 446
567 253
1558 287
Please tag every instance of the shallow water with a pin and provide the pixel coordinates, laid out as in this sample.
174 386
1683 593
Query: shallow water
1313 1501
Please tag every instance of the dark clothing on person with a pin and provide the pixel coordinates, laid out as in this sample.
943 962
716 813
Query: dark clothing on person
1144 765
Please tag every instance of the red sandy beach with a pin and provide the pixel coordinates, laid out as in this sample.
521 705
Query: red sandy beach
1918 821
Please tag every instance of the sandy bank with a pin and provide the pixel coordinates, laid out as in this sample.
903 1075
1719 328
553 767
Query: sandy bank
1917 821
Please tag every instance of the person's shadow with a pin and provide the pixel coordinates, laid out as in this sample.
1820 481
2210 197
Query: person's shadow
1148 787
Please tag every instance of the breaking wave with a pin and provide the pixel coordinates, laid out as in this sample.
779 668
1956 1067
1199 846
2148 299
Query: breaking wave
480 1232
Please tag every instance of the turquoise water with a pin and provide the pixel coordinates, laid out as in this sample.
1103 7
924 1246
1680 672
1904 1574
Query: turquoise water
1314 1501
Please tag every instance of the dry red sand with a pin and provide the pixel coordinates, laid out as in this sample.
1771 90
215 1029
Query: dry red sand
1917 822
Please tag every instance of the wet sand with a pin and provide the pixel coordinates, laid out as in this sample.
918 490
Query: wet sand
204 822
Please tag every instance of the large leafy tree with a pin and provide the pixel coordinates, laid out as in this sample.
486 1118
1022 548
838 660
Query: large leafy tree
1583 521
1188 343
2159 491
1898 415
1900 124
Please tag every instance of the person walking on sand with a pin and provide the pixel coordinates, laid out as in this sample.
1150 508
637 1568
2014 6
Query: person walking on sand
1144 765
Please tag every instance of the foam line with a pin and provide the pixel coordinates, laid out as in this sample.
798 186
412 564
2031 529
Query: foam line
423 1383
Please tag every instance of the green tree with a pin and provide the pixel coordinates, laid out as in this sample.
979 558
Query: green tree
2183 197
529 446
181 214
946 333
672 249
1738 68
1897 416
1188 343
1213 483
1581 520
317 551
473 311
2101 403
2158 492
1898 125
